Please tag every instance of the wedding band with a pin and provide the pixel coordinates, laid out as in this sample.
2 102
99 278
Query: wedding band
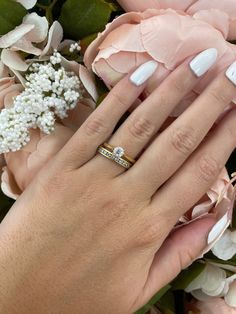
116 154
121 151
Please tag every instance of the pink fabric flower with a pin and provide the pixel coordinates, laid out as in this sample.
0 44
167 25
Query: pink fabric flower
8 90
163 35
213 306
215 11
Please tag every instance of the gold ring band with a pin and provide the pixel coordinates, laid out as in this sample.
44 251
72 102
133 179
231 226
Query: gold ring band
116 154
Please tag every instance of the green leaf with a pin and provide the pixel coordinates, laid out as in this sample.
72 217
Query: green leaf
187 276
11 15
5 204
167 303
84 17
154 300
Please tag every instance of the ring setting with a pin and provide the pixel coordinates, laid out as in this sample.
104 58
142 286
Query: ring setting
116 154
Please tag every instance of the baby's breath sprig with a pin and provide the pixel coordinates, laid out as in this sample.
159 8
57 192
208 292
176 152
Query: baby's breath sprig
50 92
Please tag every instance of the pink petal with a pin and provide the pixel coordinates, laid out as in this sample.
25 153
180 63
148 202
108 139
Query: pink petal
93 49
214 306
8 185
25 45
230 298
55 36
13 36
88 80
171 47
13 60
130 42
3 70
40 30
109 76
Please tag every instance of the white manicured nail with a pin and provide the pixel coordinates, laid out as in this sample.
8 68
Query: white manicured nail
231 73
218 229
204 61
143 73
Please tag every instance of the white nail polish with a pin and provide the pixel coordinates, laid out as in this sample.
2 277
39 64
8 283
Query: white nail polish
143 73
231 73
204 61
218 229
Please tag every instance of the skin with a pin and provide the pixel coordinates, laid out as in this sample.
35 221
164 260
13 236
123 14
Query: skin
88 236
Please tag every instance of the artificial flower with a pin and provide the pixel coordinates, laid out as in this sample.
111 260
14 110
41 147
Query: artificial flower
225 247
215 12
213 282
212 306
34 29
8 90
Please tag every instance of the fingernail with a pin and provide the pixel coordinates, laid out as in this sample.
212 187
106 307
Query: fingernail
219 228
143 73
203 61
231 73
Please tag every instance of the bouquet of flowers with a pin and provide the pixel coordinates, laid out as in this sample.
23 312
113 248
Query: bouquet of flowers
59 58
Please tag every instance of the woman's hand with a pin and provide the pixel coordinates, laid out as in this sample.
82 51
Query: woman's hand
88 236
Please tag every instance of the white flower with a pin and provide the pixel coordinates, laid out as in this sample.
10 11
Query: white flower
21 38
50 92
213 282
225 247
28 4
33 29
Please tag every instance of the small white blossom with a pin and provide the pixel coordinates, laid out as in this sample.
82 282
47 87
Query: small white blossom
74 47
225 247
50 92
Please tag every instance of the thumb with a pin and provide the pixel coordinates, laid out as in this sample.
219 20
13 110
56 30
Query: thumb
178 251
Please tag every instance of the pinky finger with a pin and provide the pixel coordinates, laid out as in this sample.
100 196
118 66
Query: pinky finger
200 172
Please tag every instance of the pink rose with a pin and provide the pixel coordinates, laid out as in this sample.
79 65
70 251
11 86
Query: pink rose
214 11
163 35
212 306
8 90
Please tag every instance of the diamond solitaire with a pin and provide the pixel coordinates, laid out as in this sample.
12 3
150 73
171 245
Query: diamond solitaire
118 152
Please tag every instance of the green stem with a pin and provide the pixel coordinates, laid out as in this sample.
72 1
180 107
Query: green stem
52 4
48 10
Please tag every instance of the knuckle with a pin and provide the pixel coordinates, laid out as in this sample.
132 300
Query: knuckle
149 234
183 140
178 84
208 168
141 128
114 209
218 96
96 126
118 98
